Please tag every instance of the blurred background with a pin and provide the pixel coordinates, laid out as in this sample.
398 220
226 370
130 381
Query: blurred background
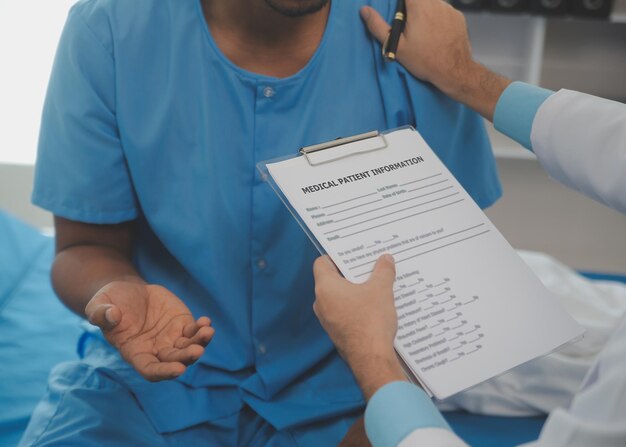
575 44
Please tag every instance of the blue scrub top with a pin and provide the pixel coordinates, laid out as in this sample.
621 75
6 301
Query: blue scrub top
146 119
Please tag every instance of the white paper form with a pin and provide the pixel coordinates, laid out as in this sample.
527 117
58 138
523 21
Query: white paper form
468 307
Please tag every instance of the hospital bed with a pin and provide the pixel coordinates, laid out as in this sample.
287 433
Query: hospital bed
502 431
37 332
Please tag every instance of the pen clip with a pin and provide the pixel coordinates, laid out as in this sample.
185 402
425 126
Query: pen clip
386 54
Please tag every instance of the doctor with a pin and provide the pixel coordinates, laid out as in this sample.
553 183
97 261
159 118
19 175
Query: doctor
579 140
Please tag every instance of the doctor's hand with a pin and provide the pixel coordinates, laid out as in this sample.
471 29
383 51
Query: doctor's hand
153 329
361 320
435 47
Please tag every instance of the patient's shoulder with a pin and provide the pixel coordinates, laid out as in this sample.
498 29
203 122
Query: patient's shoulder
91 9
113 21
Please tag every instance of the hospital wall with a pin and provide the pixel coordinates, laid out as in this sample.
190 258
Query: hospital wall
537 213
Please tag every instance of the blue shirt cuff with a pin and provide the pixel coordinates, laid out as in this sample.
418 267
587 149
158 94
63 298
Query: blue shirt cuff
516 110
396 410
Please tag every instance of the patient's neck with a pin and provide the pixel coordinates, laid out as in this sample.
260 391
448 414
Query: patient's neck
256 38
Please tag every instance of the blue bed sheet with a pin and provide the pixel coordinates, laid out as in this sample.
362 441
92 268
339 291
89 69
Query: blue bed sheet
495 431
599 276
36 330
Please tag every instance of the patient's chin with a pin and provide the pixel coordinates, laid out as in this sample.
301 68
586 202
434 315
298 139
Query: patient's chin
296 8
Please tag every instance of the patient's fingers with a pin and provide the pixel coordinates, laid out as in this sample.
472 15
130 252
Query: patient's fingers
185 356
375 23
202 338
154 370
204 321
105 316
191 328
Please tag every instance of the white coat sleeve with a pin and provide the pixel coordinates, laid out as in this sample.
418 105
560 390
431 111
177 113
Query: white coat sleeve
580 140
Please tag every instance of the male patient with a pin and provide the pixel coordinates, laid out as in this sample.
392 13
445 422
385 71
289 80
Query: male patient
157 113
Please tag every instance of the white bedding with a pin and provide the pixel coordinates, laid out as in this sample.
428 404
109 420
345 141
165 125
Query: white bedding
543 384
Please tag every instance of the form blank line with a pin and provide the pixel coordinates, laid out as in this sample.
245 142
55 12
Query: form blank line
349 200
353 207
397 203
435 240
443 246
384 215
420 180
397 220
421 245
427 186
429 251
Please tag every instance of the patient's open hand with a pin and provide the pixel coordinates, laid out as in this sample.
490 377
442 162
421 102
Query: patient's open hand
151 327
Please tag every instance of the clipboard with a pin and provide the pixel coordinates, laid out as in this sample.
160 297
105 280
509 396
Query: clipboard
488 303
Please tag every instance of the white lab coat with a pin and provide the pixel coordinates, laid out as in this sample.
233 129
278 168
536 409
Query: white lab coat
580 140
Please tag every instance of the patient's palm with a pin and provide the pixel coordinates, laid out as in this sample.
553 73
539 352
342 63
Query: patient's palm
156 332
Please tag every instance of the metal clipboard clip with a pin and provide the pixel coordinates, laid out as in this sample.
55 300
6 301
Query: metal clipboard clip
344 144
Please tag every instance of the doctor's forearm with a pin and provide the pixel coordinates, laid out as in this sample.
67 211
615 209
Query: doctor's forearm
476 87
373 370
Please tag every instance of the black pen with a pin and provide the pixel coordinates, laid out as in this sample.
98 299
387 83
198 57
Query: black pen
390 47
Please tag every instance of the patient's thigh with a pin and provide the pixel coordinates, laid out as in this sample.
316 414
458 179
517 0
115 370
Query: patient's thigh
84 407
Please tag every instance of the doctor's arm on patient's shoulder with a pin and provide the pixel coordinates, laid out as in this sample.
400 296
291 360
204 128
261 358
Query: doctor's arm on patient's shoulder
93 274
579 139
